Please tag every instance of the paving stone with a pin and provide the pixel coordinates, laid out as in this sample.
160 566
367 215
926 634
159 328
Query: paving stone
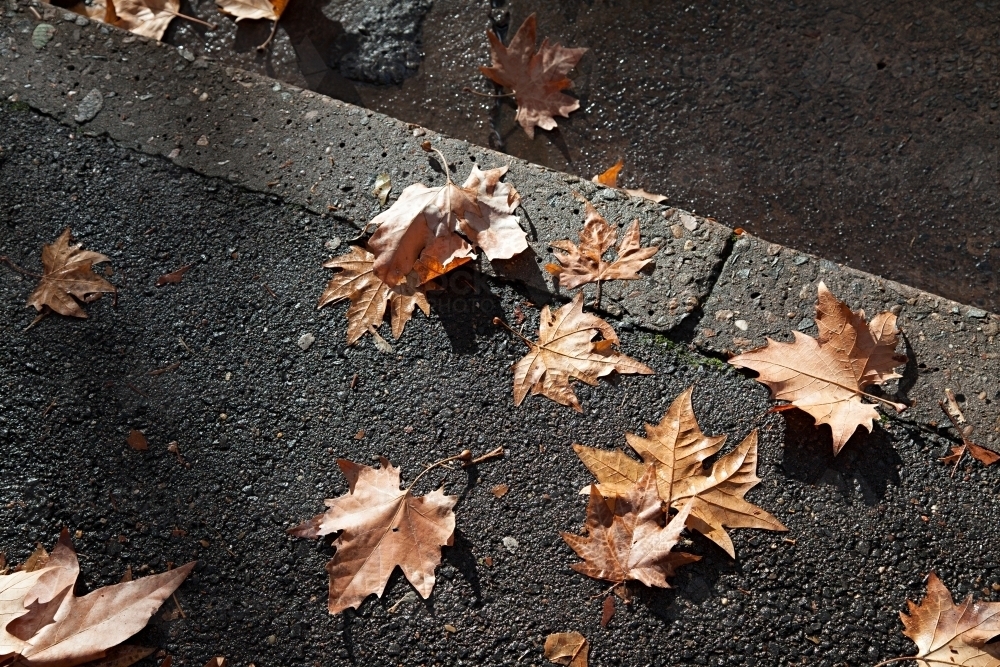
766 290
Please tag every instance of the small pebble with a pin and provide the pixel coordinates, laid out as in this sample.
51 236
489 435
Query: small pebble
306 340
332 244
89 107
510 544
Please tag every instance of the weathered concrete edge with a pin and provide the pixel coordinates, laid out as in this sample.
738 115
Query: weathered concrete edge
323 155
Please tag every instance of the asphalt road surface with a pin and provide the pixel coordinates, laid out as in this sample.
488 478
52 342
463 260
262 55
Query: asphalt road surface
259 423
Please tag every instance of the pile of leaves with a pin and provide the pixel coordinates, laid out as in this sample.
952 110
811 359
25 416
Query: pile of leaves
426 233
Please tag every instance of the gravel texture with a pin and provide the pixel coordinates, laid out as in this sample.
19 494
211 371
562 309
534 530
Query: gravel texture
259 423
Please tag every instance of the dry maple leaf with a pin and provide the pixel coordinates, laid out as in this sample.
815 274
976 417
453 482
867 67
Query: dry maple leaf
584 264
677 448
68 277
610 179
43 623
535 77
826 376
626 539
567 648
356 281
252 9
148 18
434 230
381 526
566 350
950 634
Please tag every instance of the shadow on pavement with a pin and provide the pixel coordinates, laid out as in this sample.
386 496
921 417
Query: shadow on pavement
868 462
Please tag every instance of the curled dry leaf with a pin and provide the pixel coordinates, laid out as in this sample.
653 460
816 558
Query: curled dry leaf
965 430
68 277
434 230
565 350
567 648
826 376
252 9
676 448
383 184
535 77
610 176
585 264
626 539
218 661
369 295
381 527
173 277
950 634
43 623
610 179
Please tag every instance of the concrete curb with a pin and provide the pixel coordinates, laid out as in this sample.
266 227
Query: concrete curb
324 155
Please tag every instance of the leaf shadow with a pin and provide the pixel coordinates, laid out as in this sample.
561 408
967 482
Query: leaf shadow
911 371
461 557
524 269
692 583
868 464
466 306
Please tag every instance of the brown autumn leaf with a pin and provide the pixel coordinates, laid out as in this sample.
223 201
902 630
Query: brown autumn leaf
252 9
965 430
217 661
950 634
607 610
566 350
585 264
42 622
148 18
826 376
610 179
69 278
356 281
626 536
381 527
567 648
434 230
535 77
677 448
137 440
173 277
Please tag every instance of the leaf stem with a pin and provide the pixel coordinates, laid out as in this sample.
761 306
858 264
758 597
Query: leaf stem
270 38
207 24
492 454
465 455
4 258
498 322
492 96
597 303
905 657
